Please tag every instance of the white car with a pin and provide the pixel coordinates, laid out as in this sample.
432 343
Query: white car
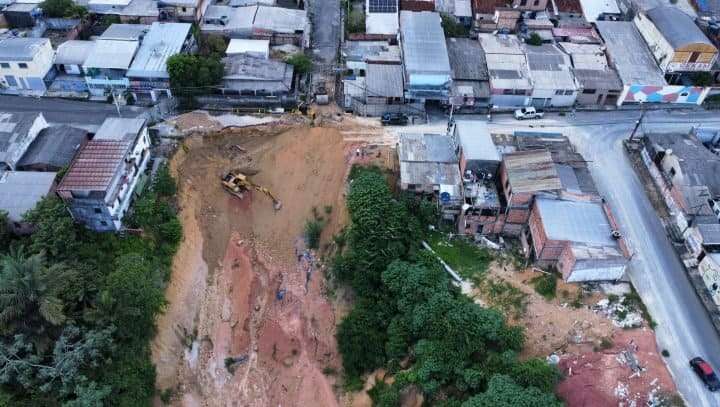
528 113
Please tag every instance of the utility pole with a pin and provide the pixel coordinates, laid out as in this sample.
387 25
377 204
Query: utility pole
638 122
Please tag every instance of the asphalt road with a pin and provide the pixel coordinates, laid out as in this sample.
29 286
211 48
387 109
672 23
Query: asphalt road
325 17
59 111
684 328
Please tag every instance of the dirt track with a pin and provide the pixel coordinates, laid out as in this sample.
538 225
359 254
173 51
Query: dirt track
236 256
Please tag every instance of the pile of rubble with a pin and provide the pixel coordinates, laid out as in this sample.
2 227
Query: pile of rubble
621 315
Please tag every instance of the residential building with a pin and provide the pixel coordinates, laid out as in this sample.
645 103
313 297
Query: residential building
709 270
598 83
183 10
429 166
579 238
551 73
500 19
22 15
595 10
69 61
128 11
100 182
643 81
470 79
253 76
503 13
523 174
677 44
479 160
125 32
275 24
258 48
358 54
579 35
381 92
510 82
690 172
26 65
20 191
381 17
53 149
426 65
17 132
148 75
107 64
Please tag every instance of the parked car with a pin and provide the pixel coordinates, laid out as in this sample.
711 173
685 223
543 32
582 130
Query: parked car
528 113
706 373
397 119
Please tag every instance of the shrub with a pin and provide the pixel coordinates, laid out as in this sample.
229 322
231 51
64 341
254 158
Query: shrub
313 230
665 353
301 62
545 285
535 39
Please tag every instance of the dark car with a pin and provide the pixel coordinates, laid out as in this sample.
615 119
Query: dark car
397 119
706 373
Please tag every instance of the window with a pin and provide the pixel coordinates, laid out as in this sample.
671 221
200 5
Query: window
507 91
568 92
22 65
4 65
559 92
97 210
589 91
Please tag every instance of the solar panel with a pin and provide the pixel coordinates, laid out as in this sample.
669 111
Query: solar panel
383 6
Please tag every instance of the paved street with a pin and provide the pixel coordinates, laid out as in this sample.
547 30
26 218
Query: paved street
325 17
59 111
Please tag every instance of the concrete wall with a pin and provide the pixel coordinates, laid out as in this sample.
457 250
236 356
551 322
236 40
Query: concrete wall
550 98
692 95
30 79
710 273
659 46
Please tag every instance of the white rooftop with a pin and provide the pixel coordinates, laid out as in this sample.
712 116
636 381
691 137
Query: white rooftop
20 191
160 43
111 54
240 46
592 9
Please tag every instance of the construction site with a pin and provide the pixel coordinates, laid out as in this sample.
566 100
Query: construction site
249 320
251 317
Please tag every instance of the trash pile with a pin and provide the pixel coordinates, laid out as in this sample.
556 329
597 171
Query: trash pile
621 315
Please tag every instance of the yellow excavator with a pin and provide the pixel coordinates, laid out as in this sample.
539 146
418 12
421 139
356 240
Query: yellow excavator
236 183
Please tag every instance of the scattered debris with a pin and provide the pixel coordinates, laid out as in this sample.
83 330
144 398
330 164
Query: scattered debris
621 315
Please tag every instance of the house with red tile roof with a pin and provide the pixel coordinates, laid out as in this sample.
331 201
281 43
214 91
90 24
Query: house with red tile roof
101 180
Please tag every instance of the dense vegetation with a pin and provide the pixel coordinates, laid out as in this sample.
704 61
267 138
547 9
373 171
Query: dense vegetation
452 27
62 9
194 74
77 308
410 319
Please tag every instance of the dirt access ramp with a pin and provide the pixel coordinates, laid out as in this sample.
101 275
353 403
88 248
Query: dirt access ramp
237 256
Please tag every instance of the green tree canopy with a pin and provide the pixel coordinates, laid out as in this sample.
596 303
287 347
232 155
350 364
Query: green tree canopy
62 9
194 74
504 392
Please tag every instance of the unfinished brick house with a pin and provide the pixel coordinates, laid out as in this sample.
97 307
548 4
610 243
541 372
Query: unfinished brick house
578 237
523 174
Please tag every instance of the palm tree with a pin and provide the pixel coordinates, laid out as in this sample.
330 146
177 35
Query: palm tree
29 296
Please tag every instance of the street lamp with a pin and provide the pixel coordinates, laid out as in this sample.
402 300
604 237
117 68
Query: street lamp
638 121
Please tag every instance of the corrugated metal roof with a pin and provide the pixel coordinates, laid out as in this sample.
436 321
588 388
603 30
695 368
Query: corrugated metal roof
160 43
532 171
592 9
95 166
54 146
549 67
120 129
629 53
14 135
710 233
678 28
426 147
20 191
279 19
384 80
111 54
73 52
500 44
21 49
475 140
127 32
423 43
575 221
467 59
241 46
